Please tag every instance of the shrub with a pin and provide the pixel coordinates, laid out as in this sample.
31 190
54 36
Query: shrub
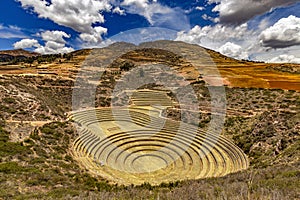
11 167
11 149
9 100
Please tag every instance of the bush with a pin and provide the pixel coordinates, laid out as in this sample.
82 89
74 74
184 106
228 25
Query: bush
9 100
126 66
12 149
11 167
3 135
47 130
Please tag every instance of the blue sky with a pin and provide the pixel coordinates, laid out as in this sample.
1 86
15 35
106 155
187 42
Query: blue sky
258 30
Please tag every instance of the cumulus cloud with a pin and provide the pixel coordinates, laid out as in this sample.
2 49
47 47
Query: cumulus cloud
238 12
240 42
213 36
206 17
237 42
233 50
284 33
284 59
93 38
82 16
55 36
119 11
76 14
26 43
53 48
54 43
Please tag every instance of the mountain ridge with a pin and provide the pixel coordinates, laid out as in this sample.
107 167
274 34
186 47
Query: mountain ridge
19 52
234 73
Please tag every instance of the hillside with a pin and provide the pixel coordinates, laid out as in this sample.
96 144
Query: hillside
50 145
19 52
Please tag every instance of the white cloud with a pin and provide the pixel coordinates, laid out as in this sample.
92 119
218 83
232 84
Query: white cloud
209 18
7 32
213 36
200 8
119 11
264 54
54 43
93 38
26 43
145 8
233 50
264 23
157 14
81 16
284 33
237 11
284 59
76 14
238 42
15 28
56 36
140 35
53 48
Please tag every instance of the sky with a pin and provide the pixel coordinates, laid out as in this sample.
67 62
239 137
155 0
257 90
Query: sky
266 30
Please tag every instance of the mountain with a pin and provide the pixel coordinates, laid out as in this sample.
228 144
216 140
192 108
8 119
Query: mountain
51 146
234 73
20 54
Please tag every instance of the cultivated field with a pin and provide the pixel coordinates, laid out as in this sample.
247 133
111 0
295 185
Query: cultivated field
134 145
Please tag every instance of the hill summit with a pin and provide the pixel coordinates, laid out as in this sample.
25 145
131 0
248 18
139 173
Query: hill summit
19 52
